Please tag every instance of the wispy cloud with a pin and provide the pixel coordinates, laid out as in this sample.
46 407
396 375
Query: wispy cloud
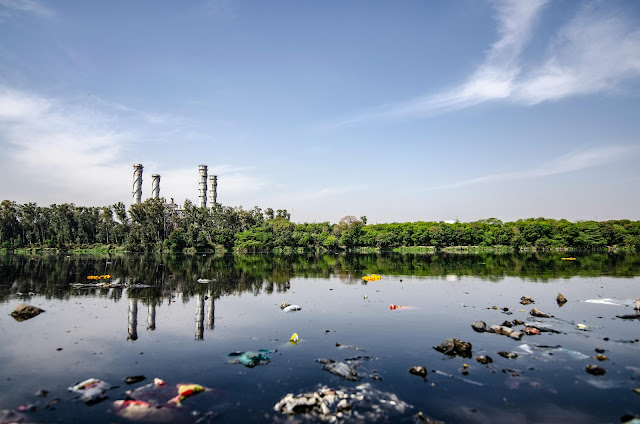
571 162
27 6
52 148
80 151
594 52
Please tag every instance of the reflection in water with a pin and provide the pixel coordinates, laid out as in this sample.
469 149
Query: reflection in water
133 319
171 275
210 314
200 317
151 316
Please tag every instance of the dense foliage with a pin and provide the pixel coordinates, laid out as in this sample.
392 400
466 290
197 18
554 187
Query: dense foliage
151 226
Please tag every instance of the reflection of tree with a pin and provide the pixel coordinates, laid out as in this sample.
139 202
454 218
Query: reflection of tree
53 276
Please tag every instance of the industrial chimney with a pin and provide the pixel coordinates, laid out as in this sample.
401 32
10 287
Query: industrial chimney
213 190
202 186
137 183
155 186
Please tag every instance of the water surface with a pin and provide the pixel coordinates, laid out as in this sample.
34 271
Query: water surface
182 331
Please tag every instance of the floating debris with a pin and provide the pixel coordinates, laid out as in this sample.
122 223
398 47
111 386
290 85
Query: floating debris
479 326
392 306
251 359
527 300
205 280
134 379
421 418
344 346
23 312
595 370
505 331
561 300
92 390
609 301
455 347
372 277
484 360
292 308
362 403
537 313
419 371
342 369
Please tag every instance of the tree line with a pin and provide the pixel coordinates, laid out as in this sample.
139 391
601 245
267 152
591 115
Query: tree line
153 226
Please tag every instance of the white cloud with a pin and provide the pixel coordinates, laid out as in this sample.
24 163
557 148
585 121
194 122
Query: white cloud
594 52
80 151
571 162
57 153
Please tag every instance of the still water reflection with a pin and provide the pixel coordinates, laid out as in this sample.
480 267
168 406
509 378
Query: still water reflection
156 319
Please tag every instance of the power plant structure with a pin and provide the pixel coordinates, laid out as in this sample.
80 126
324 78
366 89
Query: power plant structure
202 186
213 190
137 183
155 188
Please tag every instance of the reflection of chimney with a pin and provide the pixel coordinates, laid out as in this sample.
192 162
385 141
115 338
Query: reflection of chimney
137 183
210 314
155 186
213 190
133 319
202 186
200 318
151 316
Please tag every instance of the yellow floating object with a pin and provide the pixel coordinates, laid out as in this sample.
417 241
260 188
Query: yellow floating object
568 259
186 390
372 277
294 338
98 277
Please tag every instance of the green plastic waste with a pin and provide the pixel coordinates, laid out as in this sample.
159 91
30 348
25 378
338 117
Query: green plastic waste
251 359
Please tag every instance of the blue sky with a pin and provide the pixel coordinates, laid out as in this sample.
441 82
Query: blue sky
417 110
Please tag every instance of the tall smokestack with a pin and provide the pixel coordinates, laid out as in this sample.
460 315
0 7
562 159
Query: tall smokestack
155 186
213 190
202 186
137 183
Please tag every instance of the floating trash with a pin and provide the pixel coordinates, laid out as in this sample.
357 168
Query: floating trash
292 308
342 369
455 347
372 277
251 359
23 312
362 403
92 390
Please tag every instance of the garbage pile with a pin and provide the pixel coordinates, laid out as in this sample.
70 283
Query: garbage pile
362 403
